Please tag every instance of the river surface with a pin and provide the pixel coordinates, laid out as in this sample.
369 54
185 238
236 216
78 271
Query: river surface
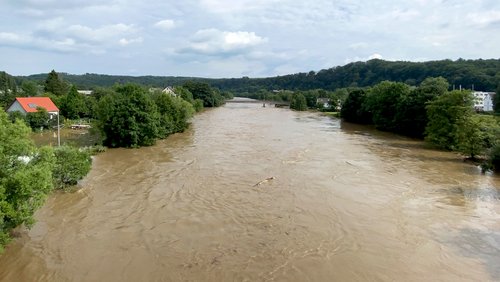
347 203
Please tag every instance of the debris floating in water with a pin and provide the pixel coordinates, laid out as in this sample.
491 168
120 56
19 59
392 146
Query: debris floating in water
265 180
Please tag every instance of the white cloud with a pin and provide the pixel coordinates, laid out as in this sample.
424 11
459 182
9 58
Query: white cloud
125 42
56 36
405 15
246 37
23 41
484 19
165 24
67 44
100 34
11 38
375 56
364 59
216 42
358 45
231 6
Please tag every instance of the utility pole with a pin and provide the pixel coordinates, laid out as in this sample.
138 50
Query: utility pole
58 131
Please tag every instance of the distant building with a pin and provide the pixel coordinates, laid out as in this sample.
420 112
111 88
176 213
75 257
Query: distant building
29 104
85 92
170 91
324 102
483 101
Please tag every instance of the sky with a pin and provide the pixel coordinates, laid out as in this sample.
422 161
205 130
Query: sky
236 38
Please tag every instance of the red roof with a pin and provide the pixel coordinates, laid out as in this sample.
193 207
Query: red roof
29 104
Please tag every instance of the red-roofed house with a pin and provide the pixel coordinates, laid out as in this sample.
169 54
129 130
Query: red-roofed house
29 105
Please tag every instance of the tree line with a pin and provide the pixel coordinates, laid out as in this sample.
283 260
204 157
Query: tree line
444 118
481 74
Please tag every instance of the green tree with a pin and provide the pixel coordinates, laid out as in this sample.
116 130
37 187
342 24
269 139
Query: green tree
71 165
227 95
13 116
39 119
55 85
493 158
128 117
175 113
29 88
337 98
354 109
8 90
445 113
73 105
496 100
311 98
475 134
101 92
411 113
203 91
90 107
25 176
184 93
188 96
382 101
198 105
434 86
298 102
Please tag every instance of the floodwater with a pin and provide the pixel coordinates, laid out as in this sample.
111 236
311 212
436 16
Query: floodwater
346 203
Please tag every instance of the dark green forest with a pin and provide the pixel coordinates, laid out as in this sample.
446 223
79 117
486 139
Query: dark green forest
479 74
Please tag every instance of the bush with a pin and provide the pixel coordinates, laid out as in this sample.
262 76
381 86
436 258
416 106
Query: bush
71 165
298 102
39 119
25 176
13 116
494 157
198 105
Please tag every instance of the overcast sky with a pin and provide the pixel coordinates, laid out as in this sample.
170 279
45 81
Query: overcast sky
235 38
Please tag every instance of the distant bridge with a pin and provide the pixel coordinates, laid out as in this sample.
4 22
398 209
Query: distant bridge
253 101
244 101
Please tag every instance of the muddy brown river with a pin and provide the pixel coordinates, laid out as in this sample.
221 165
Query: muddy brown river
347 203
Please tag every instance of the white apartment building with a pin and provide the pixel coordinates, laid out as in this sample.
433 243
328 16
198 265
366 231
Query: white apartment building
483 101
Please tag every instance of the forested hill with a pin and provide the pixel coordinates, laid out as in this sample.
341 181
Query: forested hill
481 74
92 80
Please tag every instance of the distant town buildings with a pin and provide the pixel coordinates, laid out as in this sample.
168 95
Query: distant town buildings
85 92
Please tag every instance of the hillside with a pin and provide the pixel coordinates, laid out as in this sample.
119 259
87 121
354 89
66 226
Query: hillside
481 74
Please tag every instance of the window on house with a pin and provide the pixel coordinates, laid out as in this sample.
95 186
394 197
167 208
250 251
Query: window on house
31 105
